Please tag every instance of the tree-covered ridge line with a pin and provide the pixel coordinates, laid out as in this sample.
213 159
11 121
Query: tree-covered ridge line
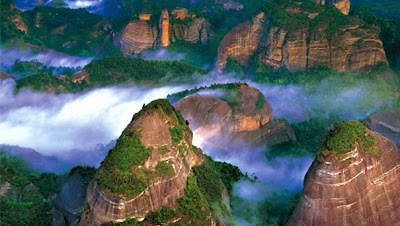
115 71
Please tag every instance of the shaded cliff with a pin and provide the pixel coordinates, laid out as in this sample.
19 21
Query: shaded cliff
179 24
301 35
238 113
148 171
69 200
387 123
354 181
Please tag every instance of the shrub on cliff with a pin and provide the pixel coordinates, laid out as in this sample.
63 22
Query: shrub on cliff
348 135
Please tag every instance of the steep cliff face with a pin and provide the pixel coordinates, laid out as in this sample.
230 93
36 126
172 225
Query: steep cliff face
294 37
136 37
355 188
146 170
179 24
244 115
342 5
68 202
387 123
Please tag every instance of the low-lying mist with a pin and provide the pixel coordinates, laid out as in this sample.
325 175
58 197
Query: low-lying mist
49 58
78 127
54 125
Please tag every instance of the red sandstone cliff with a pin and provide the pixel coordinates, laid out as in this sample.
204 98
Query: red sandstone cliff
153 127
140 35
358 189
342 5
350 47
220 123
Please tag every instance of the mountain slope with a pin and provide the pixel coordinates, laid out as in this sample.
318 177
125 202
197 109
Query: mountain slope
149 170
353 181
240 113
297 35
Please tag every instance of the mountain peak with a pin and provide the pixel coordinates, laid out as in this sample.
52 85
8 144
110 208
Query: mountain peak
148 167
358 169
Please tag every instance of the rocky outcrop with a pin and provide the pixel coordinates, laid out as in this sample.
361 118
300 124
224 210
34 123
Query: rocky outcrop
4 76
241 42
387 123
179 24
222 123
153 126
19 23
350 47
164 27
356 189
342 5
136 37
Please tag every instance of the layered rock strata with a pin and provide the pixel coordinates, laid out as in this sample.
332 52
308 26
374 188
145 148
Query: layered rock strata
350 47
153 125
358 189
250 120
140 35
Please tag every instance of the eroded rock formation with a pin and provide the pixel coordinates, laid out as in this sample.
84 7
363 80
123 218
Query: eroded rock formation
136 37
349 47
180 24
357 189
222 123
342 5
153 126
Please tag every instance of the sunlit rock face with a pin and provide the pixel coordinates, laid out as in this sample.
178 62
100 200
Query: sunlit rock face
342 5
350 47
136 37
161 191
387 123
358 189
250 122
140 35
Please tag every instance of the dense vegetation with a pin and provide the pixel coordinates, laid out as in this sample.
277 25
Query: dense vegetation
228 173
71 31
24 68
194 206
44 82
348 135
27 204
161 215
272 210
389 9
329 16
115 71
127 222
119 172
115 174
164 169
119 70
310 136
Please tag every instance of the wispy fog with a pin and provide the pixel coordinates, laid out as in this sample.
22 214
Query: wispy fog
161 54
53 124
49 58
